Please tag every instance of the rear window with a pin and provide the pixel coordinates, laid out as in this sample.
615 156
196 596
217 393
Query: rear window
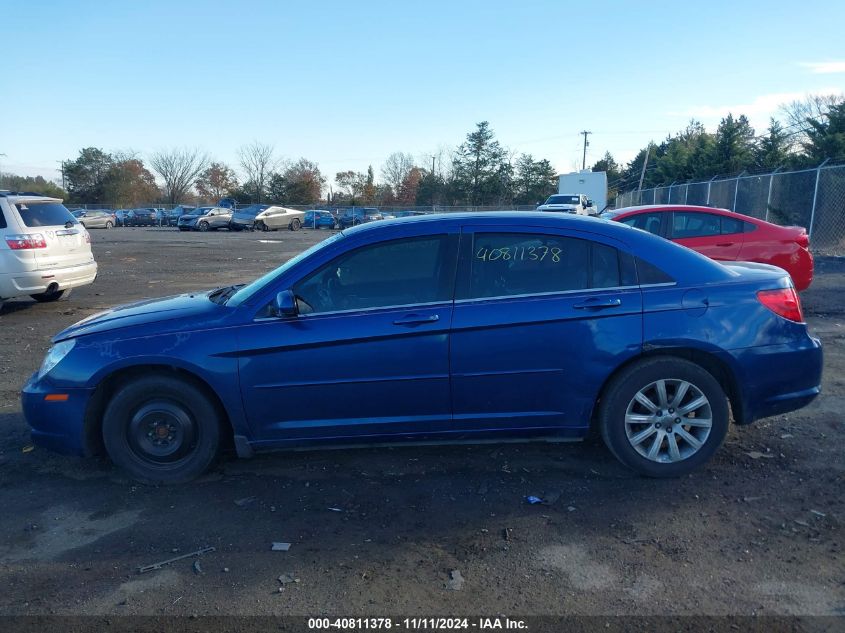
44 214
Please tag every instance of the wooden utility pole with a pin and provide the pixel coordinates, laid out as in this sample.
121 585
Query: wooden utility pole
645 162
584 158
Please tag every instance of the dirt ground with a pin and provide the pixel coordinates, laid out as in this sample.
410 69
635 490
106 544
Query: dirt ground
378 531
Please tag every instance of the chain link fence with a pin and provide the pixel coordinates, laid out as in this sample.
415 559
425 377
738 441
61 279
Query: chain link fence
812 198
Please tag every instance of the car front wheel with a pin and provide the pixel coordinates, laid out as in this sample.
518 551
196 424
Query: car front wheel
664 417
109 225
203 226
295 224
161 430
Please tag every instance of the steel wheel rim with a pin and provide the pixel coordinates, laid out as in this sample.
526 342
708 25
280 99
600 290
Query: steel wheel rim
668 420
161 432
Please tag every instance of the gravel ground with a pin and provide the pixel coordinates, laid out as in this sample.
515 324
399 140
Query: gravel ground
379 531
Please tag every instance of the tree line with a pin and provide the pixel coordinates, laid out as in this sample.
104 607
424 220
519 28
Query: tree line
806 134
479 172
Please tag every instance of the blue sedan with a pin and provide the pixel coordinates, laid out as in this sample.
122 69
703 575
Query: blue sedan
473 327
319 219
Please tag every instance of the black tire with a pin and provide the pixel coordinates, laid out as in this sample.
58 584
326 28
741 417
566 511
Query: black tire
202 226
619 395
295 224
264 227
109 225
47 297
139 417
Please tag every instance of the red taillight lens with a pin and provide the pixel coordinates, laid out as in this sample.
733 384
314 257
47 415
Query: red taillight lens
803 240
783 302
23 242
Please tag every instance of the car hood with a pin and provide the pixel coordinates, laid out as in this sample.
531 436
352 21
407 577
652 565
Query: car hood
559 206
167 310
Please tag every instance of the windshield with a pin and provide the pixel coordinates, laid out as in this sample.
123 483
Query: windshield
199 211
563 200
44 214
250 289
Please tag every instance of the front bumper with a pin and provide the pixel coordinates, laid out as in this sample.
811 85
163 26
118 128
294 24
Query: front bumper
60 425
37 281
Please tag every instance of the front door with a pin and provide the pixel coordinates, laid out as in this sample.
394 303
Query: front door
367 356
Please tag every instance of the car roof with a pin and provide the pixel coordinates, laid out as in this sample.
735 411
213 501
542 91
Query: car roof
616 213
15 197
685 264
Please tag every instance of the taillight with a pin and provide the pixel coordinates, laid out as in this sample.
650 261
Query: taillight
783 302
87 237
23 242
803 240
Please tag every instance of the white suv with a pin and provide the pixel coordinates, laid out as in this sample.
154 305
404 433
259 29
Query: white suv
44 250
576 203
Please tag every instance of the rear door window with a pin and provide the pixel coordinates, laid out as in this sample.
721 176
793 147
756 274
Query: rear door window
731 225
44 214
687 224
514 264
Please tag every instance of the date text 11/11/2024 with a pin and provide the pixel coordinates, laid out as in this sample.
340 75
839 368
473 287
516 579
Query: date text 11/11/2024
500 623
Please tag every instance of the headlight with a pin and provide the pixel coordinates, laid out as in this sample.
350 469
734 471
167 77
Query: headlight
55 355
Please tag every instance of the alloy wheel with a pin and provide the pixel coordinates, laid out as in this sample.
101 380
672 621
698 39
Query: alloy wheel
668 420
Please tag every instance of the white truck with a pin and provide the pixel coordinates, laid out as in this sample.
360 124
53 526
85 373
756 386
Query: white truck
583 193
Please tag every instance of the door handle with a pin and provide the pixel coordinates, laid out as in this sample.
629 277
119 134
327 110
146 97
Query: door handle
416 319
598 304
725 244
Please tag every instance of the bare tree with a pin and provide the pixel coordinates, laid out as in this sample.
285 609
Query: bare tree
179 169
395 170
258 163
798 113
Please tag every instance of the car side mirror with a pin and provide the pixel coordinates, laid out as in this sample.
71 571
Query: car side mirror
285 304
589 203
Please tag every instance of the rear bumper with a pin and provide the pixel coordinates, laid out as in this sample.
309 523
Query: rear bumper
58 426
37 281
776 379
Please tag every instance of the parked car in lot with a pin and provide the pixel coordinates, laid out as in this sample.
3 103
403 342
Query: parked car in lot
319 219
205 219
44 250
96 218
726 236
482 326
147 216
576 203
354 217
170 217
275 218
244 219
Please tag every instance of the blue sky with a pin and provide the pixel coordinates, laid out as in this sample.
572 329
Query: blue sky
347 83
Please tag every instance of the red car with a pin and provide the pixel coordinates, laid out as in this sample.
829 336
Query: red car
726 236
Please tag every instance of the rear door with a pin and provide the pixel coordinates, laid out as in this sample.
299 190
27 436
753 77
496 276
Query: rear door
702 232
66 239
542 316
